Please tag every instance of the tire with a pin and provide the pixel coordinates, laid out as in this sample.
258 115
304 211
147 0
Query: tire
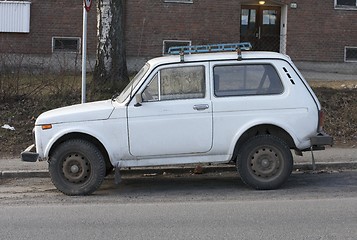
265 162
77 167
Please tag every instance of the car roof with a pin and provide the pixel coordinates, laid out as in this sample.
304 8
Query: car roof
216 57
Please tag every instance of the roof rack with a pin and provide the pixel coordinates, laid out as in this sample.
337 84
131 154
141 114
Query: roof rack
210 48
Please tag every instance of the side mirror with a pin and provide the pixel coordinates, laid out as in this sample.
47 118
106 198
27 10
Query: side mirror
139 100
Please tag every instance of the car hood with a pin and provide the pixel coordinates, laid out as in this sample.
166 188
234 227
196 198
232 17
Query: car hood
100 110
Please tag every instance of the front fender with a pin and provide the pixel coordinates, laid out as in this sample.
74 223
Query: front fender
106 132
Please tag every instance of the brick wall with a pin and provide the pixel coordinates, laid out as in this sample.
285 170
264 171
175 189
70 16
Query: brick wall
150 22
53 18
318 32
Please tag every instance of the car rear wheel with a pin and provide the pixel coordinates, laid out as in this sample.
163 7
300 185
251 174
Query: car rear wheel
77 167
265 162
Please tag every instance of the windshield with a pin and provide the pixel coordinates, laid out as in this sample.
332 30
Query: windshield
127 91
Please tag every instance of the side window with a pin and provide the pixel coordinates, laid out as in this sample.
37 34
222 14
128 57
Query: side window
176 83
151 92
243 80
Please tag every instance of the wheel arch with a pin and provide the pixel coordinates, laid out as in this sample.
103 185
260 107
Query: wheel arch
84 136
267 129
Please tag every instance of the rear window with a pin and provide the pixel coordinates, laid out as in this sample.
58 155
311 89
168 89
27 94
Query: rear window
245 80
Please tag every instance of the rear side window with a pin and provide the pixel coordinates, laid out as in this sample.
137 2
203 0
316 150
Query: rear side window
244 80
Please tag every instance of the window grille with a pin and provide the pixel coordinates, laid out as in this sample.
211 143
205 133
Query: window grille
171 43
346 4
66 44
350 54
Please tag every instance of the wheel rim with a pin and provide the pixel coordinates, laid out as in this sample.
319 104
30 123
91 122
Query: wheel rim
76 168
265 163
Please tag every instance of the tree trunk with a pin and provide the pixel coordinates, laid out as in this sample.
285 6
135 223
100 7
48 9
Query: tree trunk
110 70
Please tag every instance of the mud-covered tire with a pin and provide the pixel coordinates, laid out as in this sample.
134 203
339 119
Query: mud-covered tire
265 162
77 167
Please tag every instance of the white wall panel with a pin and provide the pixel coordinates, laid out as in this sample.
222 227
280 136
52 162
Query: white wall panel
15 16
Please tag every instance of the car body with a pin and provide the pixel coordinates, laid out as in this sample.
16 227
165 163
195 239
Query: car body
188 108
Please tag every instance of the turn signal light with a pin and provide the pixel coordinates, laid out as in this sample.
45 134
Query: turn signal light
46 126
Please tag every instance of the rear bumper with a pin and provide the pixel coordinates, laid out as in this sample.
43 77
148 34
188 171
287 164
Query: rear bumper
28 156
320 140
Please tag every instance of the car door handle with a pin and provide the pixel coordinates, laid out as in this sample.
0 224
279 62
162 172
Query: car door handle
200 107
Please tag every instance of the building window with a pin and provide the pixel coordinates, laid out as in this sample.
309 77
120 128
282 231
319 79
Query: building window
346 4
66 44
178 1
174 43
269 17
15 16
350 54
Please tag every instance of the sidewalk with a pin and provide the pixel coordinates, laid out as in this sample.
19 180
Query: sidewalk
331 158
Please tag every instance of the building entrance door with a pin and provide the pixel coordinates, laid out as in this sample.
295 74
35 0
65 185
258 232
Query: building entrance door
260 25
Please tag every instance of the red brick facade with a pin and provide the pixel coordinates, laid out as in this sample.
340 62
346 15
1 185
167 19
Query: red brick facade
148 23
55 18
319 32
316 31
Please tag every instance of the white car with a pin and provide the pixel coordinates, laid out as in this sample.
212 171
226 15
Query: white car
252 108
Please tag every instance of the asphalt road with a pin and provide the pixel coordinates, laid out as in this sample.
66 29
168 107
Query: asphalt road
260 219
210 206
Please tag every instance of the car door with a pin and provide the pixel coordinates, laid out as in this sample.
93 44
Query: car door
175 116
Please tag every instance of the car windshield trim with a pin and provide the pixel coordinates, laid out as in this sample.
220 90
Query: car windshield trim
133 83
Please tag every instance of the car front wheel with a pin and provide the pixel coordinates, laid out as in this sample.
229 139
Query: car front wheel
77 167
265 162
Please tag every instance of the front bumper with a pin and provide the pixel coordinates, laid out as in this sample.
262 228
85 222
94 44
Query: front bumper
28 156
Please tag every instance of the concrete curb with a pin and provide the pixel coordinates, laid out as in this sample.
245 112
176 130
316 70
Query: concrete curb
182 170
25 174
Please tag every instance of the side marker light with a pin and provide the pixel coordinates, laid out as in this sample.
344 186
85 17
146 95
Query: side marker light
46 126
